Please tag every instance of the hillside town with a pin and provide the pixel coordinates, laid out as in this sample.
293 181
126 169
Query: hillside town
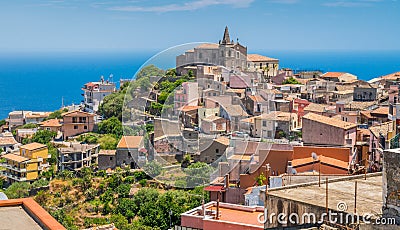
264 138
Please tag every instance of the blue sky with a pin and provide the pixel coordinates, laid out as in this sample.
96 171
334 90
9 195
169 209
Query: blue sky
56 25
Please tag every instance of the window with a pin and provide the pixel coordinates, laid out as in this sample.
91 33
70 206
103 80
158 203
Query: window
265 123
85 127
229 53
111 158
260 65
75 127
216 150
200 55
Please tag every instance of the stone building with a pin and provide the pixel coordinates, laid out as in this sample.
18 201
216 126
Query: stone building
228 53
131 152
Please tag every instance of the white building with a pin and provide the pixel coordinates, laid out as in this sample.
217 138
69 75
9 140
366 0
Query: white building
95 92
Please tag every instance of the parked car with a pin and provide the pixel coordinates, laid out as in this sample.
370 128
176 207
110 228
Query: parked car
239 134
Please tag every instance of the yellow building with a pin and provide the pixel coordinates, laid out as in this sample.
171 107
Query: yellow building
27 165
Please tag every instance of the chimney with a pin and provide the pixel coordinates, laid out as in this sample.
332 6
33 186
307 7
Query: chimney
226 181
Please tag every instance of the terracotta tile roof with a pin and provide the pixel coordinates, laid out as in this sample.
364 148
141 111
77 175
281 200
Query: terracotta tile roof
256 98
212 118
73 113
329 121
130 142
7 141
392 76
359 105
367 114
277 116
15 157
214 188
51 123
235 110
33 146
323 159
257 57
222 140
208 46
383 128
332 74
313 107
380 111
189 108
37 114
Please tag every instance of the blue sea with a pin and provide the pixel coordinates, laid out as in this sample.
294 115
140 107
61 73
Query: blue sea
39 81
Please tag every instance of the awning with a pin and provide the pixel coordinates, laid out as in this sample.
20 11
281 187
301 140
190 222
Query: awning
214 188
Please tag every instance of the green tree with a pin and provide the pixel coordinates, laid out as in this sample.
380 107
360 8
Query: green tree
108 141
123 190
261 179
148 71
152 168
120 221
112 105
198 173
2 122
111 126
41 136
291 80
18 190
127 208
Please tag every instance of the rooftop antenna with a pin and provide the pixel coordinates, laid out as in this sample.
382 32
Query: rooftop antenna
110 78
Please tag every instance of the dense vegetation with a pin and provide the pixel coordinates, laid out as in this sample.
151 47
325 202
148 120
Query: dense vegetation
93 199
291 80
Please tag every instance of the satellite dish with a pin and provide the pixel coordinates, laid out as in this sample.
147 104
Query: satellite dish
314 156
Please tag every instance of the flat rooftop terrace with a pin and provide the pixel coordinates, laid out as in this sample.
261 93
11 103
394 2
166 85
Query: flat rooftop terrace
369 193
26 214
17 218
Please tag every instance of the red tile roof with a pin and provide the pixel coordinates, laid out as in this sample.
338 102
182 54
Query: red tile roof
51 123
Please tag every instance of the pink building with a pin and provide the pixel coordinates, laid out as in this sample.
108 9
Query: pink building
214 125
77 122
188 95
218 215
322 130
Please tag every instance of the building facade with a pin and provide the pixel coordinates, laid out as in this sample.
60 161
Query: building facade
94 93
77 122
27 165
227 53
76 156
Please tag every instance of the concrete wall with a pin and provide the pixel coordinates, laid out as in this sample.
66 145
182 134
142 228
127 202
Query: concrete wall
391 185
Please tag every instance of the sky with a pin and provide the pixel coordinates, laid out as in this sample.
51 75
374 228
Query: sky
133 25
